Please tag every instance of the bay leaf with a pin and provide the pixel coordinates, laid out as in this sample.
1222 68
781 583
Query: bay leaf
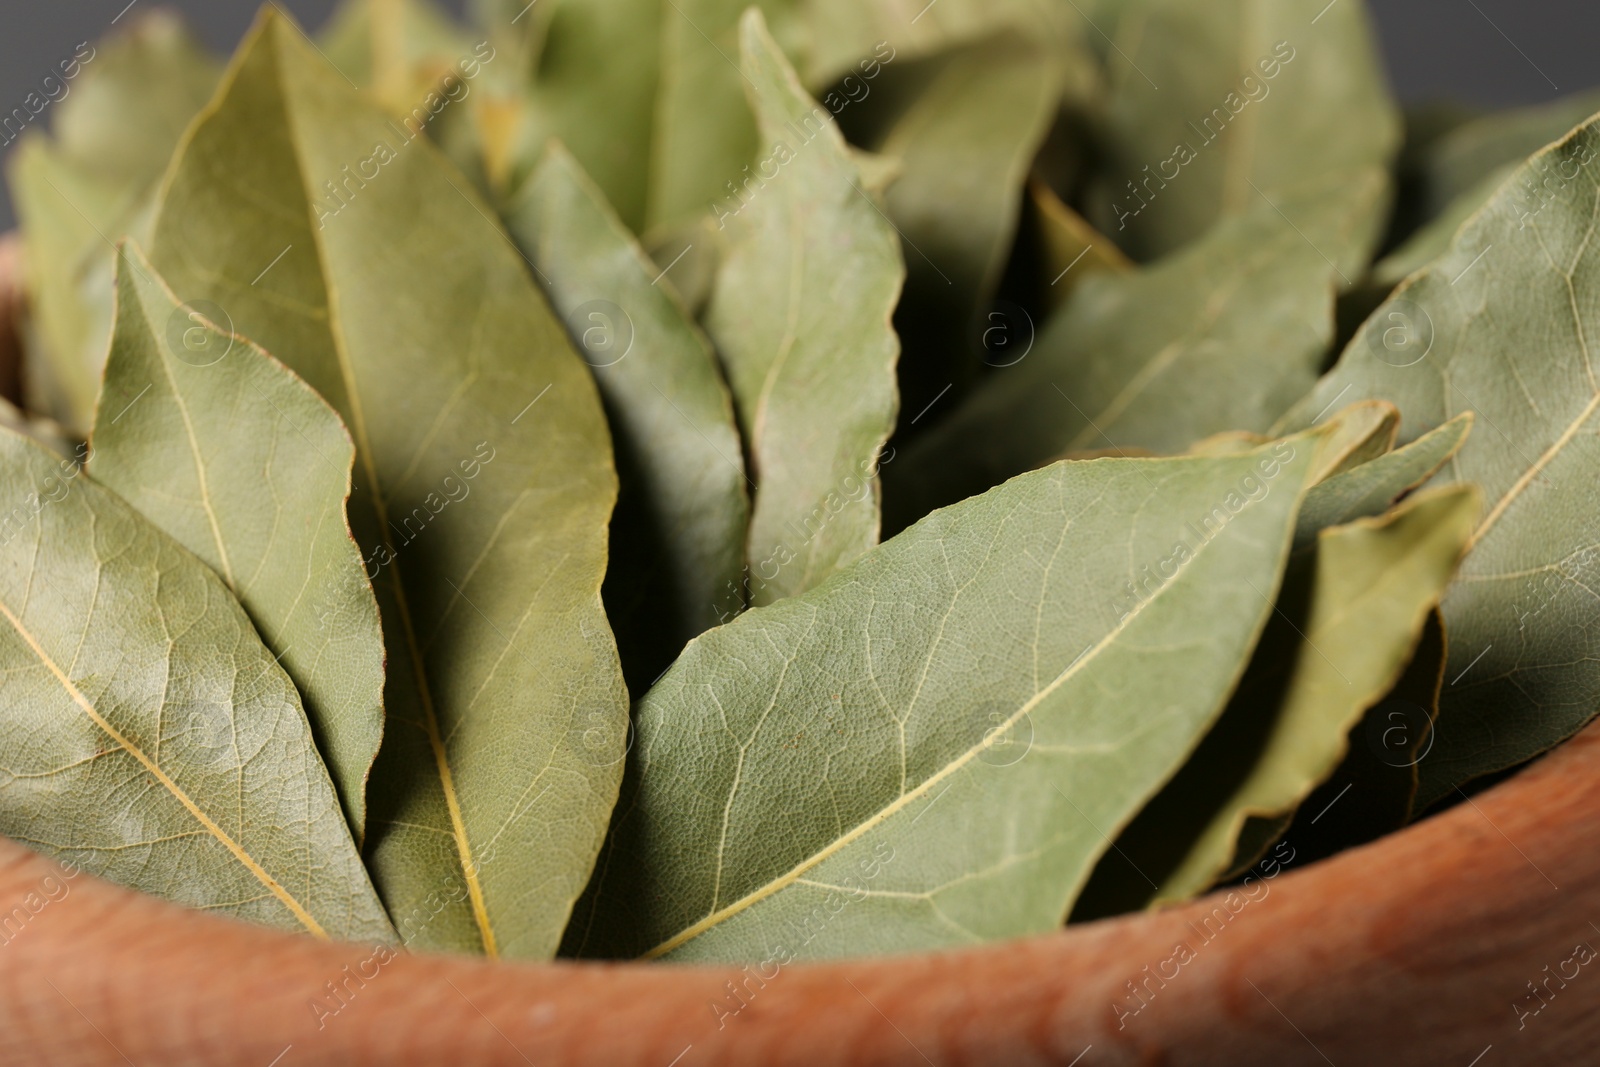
689 257
1357 435
1351 613
68 270
931 748
839 33
1500 326
964 148
703 131
1433 240
611 123
1373 790
1370 488
126 101
1227 443
801 317
677 537
343 242
666 134
1222 336
134 98
543 87
1215 107
1460 170
1464 158
399 49
1073 250
239 461
521 29
148 736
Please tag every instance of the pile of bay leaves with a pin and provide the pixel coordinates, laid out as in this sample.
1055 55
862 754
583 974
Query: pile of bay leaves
623 479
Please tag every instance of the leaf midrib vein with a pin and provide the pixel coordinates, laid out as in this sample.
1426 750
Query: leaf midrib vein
904 800
244 858
469 867
1534 471
194 446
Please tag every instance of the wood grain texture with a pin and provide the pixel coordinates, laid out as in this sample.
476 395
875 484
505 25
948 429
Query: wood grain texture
1410 951
1414 950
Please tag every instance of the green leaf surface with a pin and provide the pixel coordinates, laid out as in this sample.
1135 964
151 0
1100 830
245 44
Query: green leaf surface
1215 107
610 123
677 547
483 484
398 48
115 128
1072 249
800 315
239 461
931 748
689 257
1369 488
149 737
703 132
1372 791
68 266
839 33
1348 619
1502 326
1462 169
522 29
1433 240
963 150
1223 336
1461 160
1359 434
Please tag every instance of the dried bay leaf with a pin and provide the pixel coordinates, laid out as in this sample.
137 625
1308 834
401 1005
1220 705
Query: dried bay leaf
1502 326
239 461
1216 107
1072 249
400 49
129 102
839 33
1222 336
1351 612
615 126
1462 159
1433 240
483 484
1368 489
68 270
800 315
931 746
666 134
1373 790
543 87
704 135
677 538
148 736
1359 434
689 256
963 149
1463 168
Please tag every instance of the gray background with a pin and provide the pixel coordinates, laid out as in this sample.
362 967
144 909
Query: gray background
1488 52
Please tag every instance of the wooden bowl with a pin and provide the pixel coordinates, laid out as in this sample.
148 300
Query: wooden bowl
1460 941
